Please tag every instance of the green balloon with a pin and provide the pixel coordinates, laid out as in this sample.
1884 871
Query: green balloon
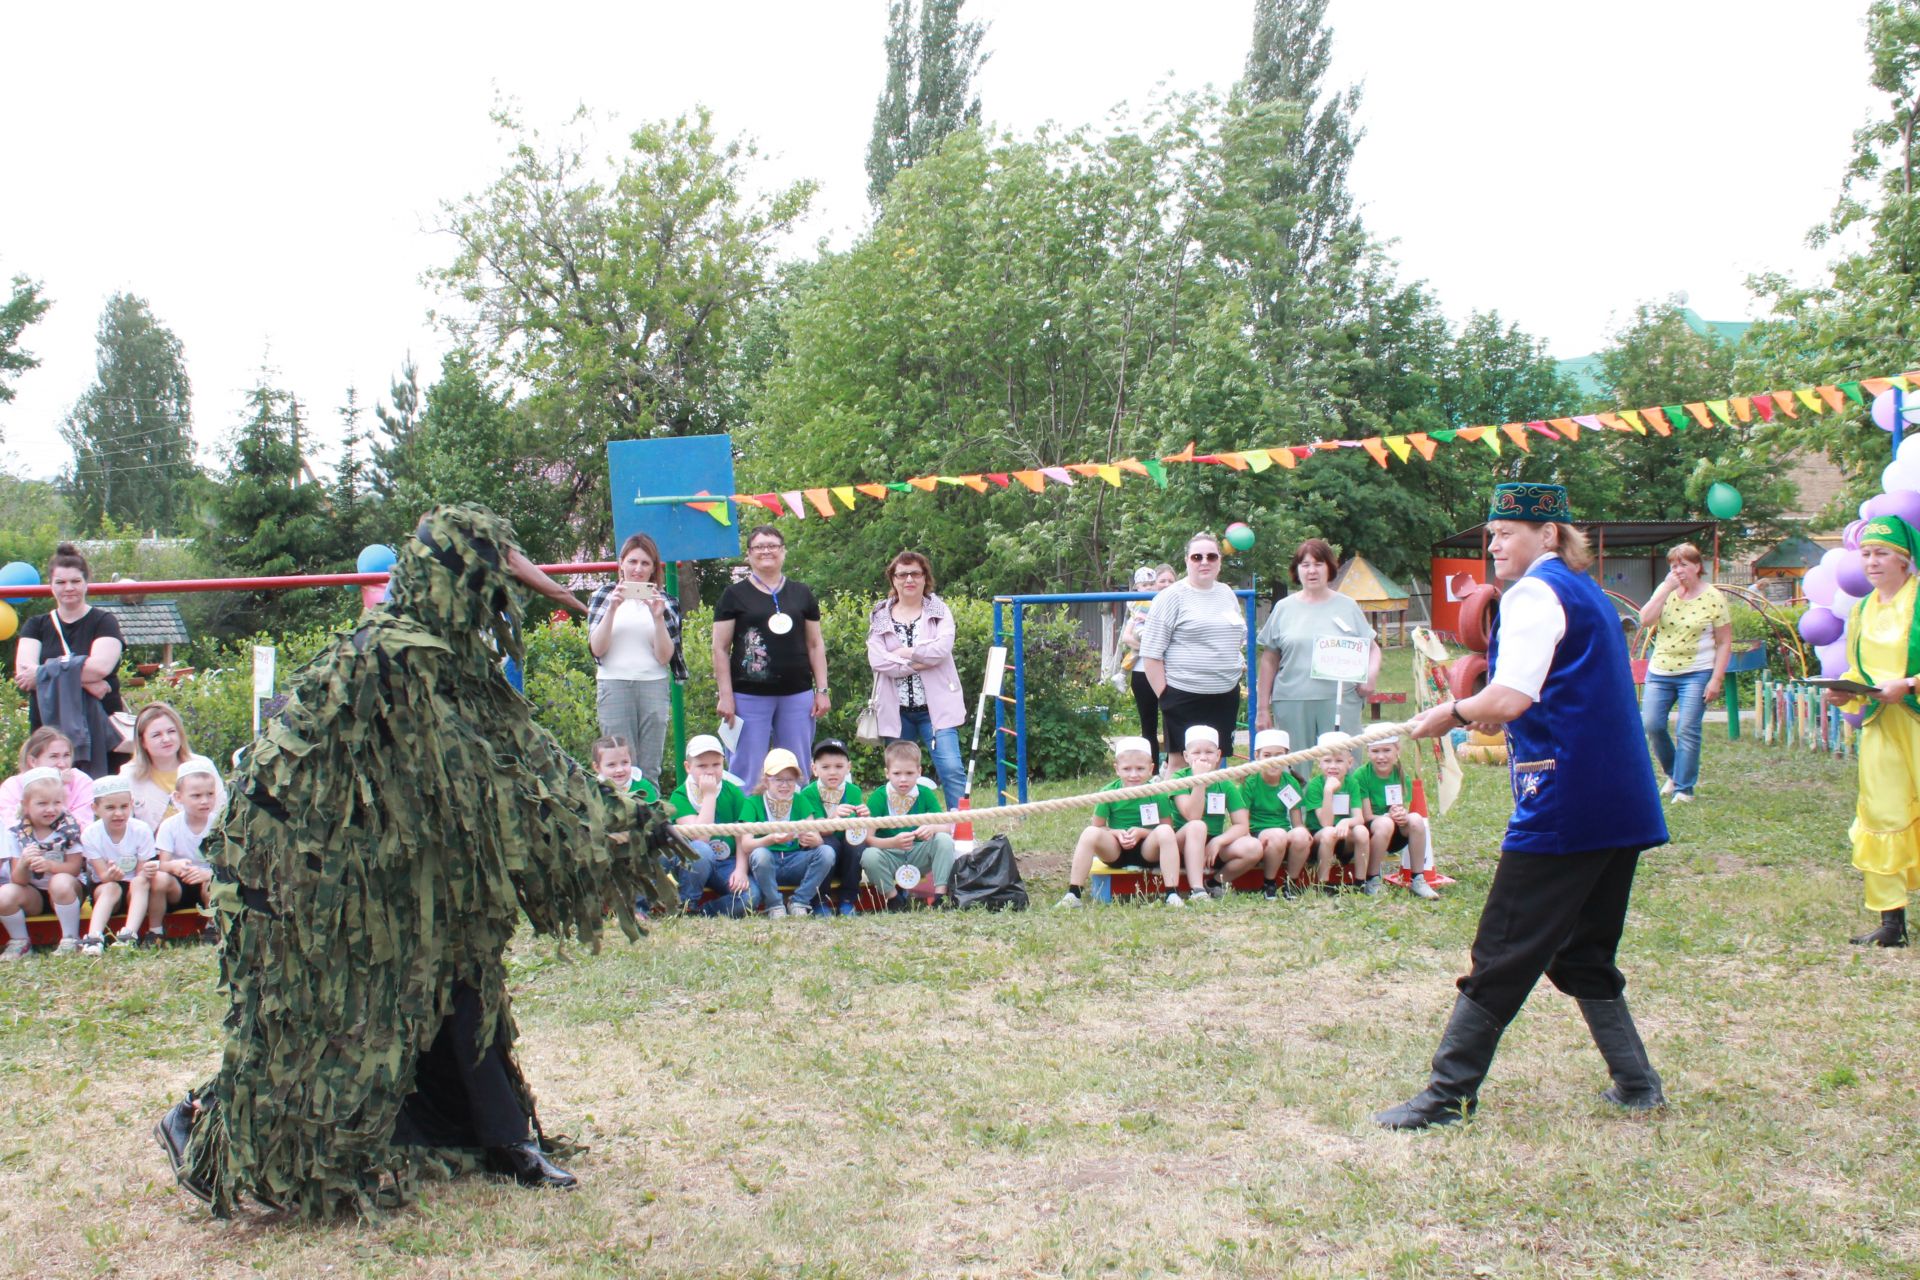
1724 501
1239 537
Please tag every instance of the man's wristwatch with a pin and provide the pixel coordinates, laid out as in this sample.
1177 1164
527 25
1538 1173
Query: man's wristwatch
1453 709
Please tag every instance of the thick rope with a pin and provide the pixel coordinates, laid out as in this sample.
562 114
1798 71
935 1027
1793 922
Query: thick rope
1004 814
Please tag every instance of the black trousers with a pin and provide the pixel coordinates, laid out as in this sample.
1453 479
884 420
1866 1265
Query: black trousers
1553 914
846 865
462 1098
1147 703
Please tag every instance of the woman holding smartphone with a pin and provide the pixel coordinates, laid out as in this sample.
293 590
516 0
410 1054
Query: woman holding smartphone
634 632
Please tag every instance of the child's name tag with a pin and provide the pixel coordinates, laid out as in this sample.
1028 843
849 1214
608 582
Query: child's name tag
1289 797
1216 802
1395 793
1342 805
1149 815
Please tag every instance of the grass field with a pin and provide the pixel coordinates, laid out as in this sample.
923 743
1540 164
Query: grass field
1126 1091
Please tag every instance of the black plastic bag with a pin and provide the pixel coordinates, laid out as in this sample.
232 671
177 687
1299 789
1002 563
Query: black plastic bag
989 877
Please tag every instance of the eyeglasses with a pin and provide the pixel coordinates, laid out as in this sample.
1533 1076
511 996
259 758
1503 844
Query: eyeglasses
1203 557
908 573
768 546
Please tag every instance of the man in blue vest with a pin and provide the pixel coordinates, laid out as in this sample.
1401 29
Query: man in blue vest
1584 807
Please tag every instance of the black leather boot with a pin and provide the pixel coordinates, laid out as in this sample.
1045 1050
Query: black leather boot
528 1165
1459 1065
1891 933
173 1132
1636 1085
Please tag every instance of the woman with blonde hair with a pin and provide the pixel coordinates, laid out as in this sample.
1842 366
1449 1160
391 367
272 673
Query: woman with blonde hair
159 749
1692 641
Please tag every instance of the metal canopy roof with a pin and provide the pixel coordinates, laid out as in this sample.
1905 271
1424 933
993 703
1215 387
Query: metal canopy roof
1612 534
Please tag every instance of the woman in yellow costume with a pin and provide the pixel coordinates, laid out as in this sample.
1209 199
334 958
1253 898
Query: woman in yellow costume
1886 656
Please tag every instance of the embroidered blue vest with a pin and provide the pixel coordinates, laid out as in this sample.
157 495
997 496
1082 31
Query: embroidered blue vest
1578 758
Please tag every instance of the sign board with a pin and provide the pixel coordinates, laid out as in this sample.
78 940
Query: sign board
996 670
675 466
1340 658
263 673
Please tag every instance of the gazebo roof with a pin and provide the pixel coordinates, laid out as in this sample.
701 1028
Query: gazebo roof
1370 588
1794 553
148 623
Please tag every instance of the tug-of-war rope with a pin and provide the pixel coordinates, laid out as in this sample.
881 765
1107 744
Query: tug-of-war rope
1009 813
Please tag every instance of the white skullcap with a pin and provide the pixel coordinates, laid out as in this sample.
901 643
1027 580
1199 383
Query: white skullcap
1144 576
42 774
1331 738
1272 738
1385 742
198 764
1131 746
1203 733
111 785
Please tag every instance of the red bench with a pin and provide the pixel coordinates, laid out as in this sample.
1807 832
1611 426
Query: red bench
44 930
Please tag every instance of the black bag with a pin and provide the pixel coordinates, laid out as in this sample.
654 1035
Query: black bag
989 877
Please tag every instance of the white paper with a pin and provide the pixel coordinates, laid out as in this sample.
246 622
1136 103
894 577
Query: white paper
1149 814
1342 804
1289 797
1216 802
1339 658
1395 793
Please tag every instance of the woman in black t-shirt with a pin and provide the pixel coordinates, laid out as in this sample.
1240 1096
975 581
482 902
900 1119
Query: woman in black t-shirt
769 658
72 627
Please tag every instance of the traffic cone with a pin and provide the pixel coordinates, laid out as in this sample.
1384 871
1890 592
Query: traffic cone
1419 806
963 831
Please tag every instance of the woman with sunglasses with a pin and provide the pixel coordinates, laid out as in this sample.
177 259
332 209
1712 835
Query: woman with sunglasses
917 694
1194 649
1290 698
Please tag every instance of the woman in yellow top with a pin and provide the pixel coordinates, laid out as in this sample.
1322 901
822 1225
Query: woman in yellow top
1886 656
1693 640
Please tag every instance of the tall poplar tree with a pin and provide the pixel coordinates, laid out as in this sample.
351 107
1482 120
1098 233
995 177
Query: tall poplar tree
132 431
929 91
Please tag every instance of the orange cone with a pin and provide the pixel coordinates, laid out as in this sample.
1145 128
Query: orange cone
963 831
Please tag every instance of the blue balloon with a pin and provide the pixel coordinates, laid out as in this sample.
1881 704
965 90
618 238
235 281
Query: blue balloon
18 574
376 558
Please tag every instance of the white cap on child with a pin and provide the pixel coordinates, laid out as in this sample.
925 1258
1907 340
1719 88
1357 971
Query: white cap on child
1202 733
198 764
42 774
1385 742
1269 738
1131 747
112 785
1143 576
1330 738
704 744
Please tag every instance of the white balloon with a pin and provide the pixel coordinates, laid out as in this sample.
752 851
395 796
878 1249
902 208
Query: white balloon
1843 603
1910 448
1899 474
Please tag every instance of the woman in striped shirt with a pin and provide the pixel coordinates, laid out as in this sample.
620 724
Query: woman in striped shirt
1194 651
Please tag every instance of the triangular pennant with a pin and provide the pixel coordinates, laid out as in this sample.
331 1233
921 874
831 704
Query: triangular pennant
1832 396
899 486
1087 469
1518 434
1657 419
1284 458
1742 408
956 481
1566 427
1259 459
1721 411
771 501
1902 382
1543 429
822 502
1469 434
1235 460
1698 411
1375 450
1849 389
1058 475
1158 472
1874 386
1490 438
1808 399
793 500
878 492
999 477
1132 464
718 510
1109 473
1632 418
925 484
844 492
1785 400
1031 479
1763 405
1185 455
1424 443
1611 421
975 482
1445 435
1301 451
1401 449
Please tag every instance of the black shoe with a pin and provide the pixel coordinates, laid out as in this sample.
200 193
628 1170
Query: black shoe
1891 933
900 901
1459 1065
529 1166
1290 891
173 1132
1270 891
1636 1085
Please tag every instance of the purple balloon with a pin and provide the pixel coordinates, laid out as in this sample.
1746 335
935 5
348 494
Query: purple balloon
1833 659
1905 504
1819 586
1887 409
1820 626
1865 510
1850 576
1854 718
1850 539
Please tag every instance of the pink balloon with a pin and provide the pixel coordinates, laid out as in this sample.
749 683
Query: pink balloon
1833 659
1905 504
1819 586
1865 510
1887 409
1850 539
1820 626
1850 576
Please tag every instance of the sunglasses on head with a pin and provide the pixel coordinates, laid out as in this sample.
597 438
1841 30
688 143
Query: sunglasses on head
1203 557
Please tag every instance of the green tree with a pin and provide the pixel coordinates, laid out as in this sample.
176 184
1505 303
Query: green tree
23 308
611 301
351 502
399 419
929 89
132 431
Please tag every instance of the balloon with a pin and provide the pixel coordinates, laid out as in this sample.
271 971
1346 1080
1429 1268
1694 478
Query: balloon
1905 504
1724 501
1900 474
1850 539
1843 602
1889 408
1850 576
1832 556
1239 536
1819 586
1833 659
9 622
1819 626
376 558
1909 448
1854 718
18 574
1865 510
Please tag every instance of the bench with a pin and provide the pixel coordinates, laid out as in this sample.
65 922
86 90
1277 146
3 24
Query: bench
44 930
1376 700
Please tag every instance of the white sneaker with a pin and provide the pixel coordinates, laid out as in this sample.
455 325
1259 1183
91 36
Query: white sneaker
798 911
1421 889
16 949
68 947
1069 900
1175 900
778 911
1667 790
93 945
1683 797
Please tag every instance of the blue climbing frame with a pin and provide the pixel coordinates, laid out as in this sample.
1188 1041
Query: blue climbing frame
1017 672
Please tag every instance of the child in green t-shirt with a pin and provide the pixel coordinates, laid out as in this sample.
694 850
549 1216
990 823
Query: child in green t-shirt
1274 797
1336 815
1126 833
833 789
1213 832
795 858
613 765
1392 827
928 849
706 795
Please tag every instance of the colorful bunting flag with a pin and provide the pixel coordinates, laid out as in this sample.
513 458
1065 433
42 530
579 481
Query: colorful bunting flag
1031 479
1401 449
1156 470
1518 434
1632 419
822 502
1375 450
793 500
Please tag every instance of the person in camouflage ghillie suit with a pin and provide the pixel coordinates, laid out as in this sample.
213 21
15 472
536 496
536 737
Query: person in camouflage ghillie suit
386 830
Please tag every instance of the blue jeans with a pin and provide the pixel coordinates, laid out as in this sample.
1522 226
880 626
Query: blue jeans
916 725
711 866
806 867
1688 691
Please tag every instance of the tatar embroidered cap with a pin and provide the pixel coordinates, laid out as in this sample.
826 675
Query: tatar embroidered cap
1538 503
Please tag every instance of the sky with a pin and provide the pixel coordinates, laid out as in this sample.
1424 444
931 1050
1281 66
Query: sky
268 177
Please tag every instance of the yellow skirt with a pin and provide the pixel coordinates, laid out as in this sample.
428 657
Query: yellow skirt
1886 821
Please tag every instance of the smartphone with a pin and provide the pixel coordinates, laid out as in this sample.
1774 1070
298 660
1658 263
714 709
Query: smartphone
639 591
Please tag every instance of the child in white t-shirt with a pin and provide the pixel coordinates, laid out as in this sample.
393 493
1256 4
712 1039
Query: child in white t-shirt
181 875
40 864
120 853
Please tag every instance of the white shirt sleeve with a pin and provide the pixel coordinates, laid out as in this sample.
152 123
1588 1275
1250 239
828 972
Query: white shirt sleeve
1531 626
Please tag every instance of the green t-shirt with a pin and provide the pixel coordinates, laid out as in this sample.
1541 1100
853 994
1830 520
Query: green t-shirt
728 807
1218 813
850 794
1271 804
1125 815
923 802
1373 787
1317 796
639 786
804 806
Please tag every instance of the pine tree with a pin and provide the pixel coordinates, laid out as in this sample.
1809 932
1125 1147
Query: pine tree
132 431
929 91
400 424
350 495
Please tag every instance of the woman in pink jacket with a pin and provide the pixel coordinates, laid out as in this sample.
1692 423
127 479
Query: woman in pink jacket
916 686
